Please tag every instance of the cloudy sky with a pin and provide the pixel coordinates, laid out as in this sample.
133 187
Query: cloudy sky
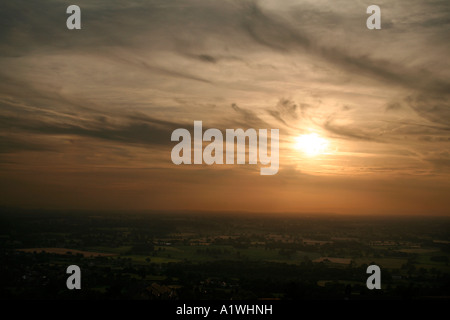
86 115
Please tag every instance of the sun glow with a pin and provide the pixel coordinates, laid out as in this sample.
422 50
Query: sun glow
311 144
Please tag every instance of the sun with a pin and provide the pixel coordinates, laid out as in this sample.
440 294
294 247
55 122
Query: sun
311 144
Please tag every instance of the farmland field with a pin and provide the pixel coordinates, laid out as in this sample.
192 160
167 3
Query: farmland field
223 257
65 251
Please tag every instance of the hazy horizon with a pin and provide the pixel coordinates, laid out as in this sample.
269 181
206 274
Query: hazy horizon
213 213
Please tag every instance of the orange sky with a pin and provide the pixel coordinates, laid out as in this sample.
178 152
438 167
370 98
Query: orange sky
86 115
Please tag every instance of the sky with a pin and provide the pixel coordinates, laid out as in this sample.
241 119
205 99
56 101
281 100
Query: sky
86 116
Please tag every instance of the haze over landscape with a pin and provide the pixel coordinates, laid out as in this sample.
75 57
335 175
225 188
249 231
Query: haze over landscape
86 115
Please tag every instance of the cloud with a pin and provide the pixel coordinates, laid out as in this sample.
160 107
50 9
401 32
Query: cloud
349 132
433 108
288 112
160 70
191 29
289 108
186 60
132 129
285 111
12 143
248 118
276 114
278 34
392 106
440 160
